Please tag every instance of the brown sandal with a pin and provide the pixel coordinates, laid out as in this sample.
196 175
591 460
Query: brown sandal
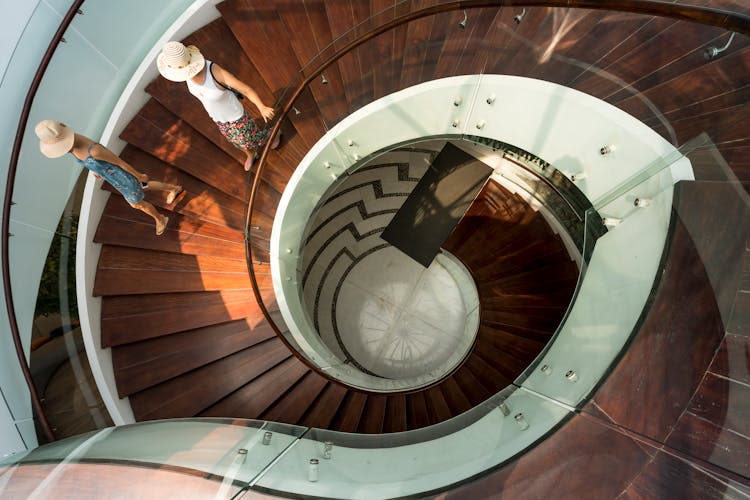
276 141
173 194
160 230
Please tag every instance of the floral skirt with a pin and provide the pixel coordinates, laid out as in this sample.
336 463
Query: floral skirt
244 133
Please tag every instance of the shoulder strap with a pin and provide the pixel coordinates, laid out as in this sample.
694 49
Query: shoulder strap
236 92
211 70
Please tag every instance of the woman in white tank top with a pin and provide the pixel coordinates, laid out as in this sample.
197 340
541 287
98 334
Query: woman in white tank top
211 84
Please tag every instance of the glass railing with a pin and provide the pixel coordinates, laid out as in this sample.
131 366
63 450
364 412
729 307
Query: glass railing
41 246
229 454
443 41
623 271
634 178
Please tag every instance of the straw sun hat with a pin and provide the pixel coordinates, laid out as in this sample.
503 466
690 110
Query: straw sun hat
178 63
55 138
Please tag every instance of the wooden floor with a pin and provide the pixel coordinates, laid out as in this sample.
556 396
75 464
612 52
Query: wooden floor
187 338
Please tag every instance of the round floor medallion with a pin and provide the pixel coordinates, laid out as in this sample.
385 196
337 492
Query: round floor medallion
398 320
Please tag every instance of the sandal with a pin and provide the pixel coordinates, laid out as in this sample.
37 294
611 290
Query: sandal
173 194
276 141
163 227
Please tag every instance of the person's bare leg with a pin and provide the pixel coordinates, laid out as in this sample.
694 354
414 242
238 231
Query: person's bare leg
159 220
250 159
173 189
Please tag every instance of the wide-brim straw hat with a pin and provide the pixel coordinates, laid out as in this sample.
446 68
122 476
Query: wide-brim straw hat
177 62
55 138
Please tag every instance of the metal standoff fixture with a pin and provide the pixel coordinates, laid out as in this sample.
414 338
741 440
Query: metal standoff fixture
578 176
521 421
610 221
503 408
312 470
327 448
267 437
712 52
572 376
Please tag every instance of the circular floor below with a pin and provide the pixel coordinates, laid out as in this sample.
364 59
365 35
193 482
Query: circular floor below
399 320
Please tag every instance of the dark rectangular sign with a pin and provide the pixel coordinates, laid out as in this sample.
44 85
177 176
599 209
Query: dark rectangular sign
437 204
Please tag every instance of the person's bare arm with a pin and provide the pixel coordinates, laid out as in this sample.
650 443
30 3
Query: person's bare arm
101 153
226 78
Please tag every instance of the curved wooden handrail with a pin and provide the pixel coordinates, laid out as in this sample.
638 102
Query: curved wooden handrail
731 21
15 153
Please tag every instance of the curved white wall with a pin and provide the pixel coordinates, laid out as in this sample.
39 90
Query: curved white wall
197 14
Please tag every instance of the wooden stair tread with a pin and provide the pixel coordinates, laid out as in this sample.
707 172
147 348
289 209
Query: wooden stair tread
349 412
454 396
417 34
416 411
112 257
182 235
486 374
437 406
395 414
305 26
144 364
255 397
117 208
127 319
189 394
297 400
539 336
136 281
540 322
507 364
355 67
323 410
516 302
471 387
373 416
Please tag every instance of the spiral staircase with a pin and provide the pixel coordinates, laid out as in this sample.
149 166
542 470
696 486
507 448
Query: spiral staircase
188 339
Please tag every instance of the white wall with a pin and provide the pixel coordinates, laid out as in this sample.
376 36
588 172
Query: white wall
26 29
85 78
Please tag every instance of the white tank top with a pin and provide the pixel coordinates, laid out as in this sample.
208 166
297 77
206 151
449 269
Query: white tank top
221 104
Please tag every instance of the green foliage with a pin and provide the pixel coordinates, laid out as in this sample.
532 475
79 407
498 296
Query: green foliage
48 299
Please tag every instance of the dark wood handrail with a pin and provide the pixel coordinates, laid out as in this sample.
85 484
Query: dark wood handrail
15 153
731 21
